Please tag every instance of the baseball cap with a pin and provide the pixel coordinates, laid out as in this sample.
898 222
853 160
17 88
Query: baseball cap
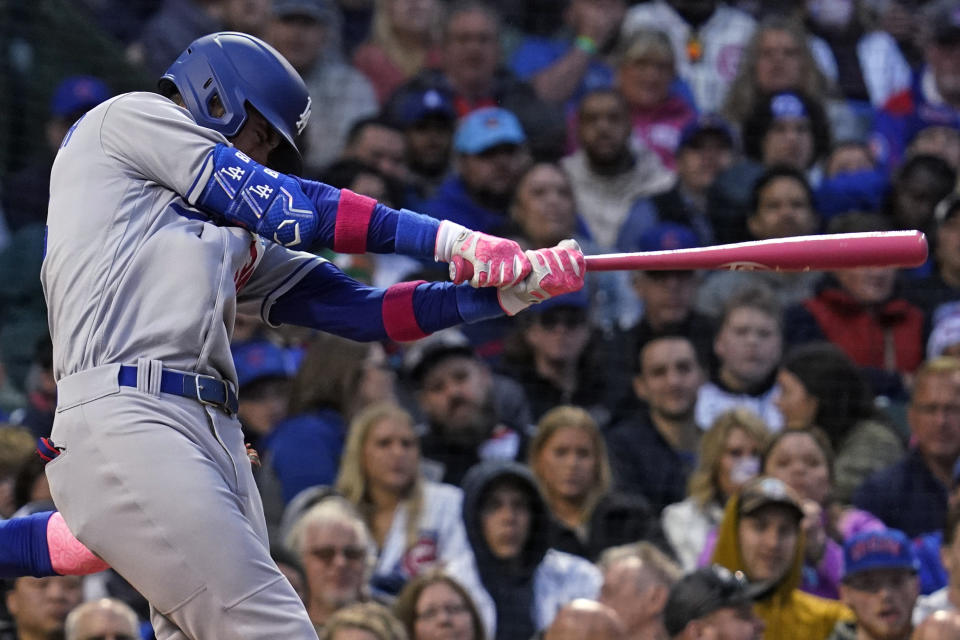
787 105
260 359
487 128
763 491
944 22
423 355
708 123
410 106
319 10
666 236
704 591
885 549
78 94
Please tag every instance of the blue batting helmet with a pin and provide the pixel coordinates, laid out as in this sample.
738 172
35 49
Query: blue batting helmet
240 69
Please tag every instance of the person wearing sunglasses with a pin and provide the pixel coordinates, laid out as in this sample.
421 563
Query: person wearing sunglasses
103 619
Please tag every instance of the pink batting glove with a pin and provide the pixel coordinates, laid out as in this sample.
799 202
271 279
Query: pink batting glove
484 260
556 271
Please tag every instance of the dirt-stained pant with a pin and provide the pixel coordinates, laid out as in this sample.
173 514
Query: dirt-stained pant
161 488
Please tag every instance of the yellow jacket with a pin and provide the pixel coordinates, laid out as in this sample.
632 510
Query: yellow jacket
789 613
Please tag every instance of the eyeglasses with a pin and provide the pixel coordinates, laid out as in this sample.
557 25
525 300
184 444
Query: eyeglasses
350 554
450 609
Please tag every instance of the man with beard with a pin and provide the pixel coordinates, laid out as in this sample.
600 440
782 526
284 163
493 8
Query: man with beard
606 173
471 413
879 585
652 449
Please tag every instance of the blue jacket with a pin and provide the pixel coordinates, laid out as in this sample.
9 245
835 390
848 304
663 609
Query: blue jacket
453 203
305 449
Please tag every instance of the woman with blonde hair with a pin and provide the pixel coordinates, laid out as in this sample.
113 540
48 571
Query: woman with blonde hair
364 621
434 606
403 41
569 461
729 456
415 523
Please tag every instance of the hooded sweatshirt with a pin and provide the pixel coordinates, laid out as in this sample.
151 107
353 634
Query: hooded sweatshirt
789 613
517 599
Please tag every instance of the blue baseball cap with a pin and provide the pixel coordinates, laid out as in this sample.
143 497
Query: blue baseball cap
787 105
706 124
579 299
258 360
78 94
487 128
666 236
887 549
410 106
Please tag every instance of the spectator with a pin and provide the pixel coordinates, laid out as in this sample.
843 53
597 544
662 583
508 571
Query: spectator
363 621
933 99
947 597
39 606
852 181
729 456
706 148
708 38
862 312
904 22
945 337
333 545
41 389
414 523
820 386
562 69
607 173
471 413
569 460
761 535
302 30
472 73
291 568
403 40
918 186
246 16
712 603
17 446
934 293
652 449
938 141
491 155
941 625
920 479
584 618
264 371
879 586
636 581
748 346
104 618
434 606
378 143
517 582
167 33
427 119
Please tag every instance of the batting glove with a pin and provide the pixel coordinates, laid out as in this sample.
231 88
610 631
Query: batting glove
556 271
484 260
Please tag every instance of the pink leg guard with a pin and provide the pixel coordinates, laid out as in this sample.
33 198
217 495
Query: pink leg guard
68 556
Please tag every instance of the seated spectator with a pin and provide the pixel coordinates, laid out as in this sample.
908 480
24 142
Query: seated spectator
781 207
918 185
706 148
103 618
584 618
39 606
748 346
646 70
935 293
879 585
708 38
41 389
947 597
302 31
491 155
637 579
434 605
172 28
920 479
415 524
729 456
712 603
363 621
563 68
652 448
940 142
471 414
862 312
786 128
264 371
761 535
607 172
403 40
820 386
378 143
517 581
852 181
569 460
940 625
333 546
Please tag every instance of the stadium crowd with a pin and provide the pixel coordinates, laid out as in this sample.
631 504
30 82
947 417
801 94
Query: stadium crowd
665 454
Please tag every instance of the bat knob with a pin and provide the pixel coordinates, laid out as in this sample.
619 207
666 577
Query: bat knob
460 270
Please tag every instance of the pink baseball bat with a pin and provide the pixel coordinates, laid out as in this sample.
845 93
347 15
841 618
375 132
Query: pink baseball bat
801 253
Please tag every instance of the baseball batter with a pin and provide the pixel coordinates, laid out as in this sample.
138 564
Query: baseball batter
169 214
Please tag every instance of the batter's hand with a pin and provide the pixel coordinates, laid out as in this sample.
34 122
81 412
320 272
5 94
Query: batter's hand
556 271
484 260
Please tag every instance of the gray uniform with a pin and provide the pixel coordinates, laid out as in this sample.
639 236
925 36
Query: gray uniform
159 485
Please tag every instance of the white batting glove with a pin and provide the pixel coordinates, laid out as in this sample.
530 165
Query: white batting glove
484 260
556 271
